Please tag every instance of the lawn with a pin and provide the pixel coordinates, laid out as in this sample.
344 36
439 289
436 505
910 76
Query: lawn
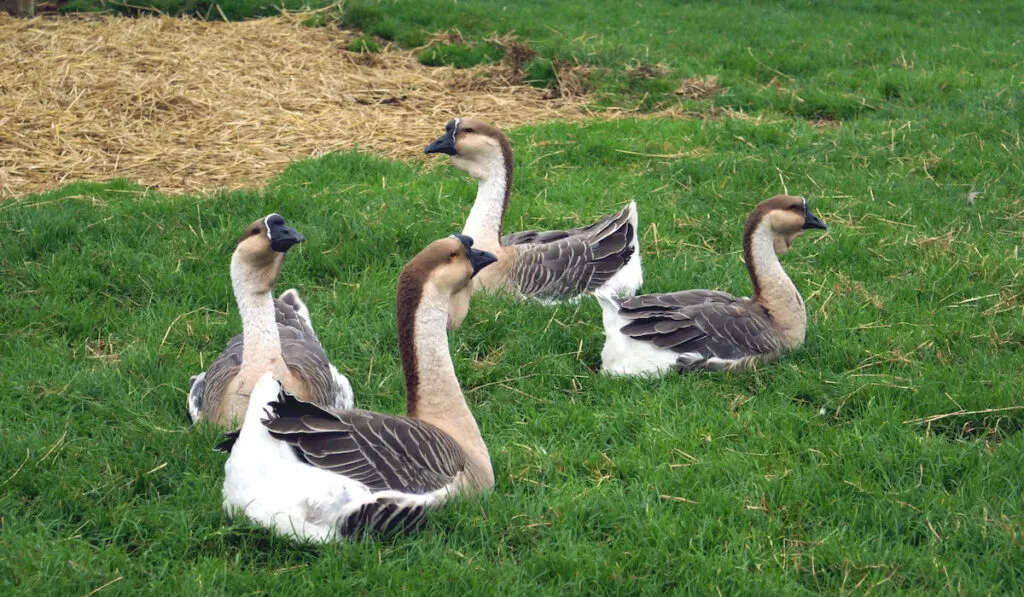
883 456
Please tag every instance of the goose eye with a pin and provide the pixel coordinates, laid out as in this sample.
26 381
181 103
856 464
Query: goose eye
454 254
254 232
468 130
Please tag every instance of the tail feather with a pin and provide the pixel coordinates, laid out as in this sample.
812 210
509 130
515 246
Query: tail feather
383 516
628 279
196 386
291 298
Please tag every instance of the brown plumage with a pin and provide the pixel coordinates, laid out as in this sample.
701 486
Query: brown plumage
302 353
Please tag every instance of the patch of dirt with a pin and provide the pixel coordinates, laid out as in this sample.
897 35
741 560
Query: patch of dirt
644 71
699 88
516 55
187 106
570 81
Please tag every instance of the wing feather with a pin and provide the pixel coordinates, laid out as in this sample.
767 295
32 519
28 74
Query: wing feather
302 352
382 451
561 264
713 324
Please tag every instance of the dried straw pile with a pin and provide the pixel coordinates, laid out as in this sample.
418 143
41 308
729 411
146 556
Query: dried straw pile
187 105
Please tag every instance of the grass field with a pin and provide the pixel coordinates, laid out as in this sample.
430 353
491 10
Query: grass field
828 472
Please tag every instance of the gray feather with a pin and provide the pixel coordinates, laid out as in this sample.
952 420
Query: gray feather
561 264
385 452
300 348
709 323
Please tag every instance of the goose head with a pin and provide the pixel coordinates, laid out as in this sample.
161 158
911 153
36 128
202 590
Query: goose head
445 267
787 217
260 251
475 147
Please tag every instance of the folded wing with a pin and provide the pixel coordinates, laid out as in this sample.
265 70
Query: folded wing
382 451
562 263
302 352
713 324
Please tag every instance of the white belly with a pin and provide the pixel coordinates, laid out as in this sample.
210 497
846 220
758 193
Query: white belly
623 355
267 483
273 488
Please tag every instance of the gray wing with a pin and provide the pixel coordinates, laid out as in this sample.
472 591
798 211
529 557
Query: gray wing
208 387
382 451
713 324
291 298
302 353
534 237
561 264
305 356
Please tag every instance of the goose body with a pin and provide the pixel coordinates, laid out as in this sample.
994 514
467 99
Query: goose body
277 335
302 353
550 266
711 330
320 473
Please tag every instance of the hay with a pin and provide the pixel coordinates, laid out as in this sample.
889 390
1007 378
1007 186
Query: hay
186 105
570 81
699 88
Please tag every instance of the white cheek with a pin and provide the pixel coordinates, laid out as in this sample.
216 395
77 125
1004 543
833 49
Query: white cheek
469 166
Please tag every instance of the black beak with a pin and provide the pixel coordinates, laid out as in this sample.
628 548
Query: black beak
477 258
812 221
480 259
446 142
284 237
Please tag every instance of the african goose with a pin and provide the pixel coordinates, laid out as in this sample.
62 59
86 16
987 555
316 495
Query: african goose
276 335
709 330
319 473
550 266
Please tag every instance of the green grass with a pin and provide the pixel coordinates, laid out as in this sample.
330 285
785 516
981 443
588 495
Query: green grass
805 475
459 55
807 58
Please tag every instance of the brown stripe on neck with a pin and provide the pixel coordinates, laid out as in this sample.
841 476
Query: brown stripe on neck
753 221
506 155
407 299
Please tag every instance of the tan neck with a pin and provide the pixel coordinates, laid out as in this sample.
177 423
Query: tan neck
261 342
773 289
434 395
494 179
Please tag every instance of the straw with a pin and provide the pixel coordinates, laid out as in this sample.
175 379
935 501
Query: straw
187 106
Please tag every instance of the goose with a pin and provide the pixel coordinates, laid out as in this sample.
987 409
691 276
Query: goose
276 335
551 266
709 330
317 473
296 329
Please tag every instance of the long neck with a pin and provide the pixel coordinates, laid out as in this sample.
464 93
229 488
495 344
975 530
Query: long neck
773 289
434 388
433 394
261 342
493 188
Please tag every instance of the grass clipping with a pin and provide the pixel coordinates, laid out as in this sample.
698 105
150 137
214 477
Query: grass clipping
186 105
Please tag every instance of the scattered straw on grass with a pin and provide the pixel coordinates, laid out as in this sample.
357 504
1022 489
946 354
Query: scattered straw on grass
570 81
516 55
644 70
699 87
186 105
